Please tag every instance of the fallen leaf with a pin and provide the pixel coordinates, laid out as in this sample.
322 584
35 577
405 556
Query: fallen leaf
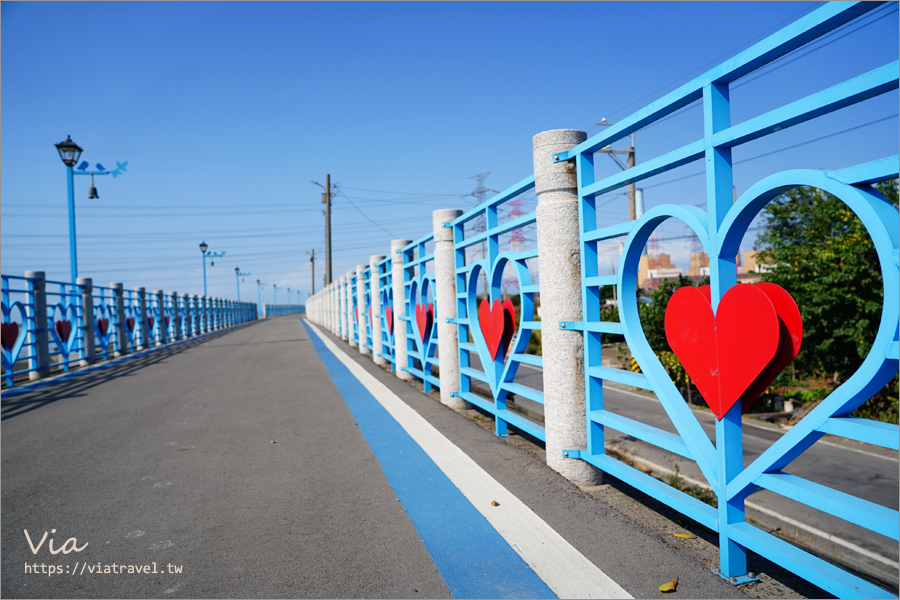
494 503
686 536
272 442
669 587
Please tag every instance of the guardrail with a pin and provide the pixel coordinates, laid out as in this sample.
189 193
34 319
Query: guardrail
50 327
276 310
436 279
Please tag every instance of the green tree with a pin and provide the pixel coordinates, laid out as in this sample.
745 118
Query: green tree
816 248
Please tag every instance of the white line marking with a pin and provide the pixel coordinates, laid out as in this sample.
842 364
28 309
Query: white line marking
562 567
777 515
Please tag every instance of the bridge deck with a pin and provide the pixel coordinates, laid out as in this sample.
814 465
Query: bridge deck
251 460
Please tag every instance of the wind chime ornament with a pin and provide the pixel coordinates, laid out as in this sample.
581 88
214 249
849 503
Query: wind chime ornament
736 353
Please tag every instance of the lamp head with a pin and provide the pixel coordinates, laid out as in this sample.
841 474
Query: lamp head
203 247
69 151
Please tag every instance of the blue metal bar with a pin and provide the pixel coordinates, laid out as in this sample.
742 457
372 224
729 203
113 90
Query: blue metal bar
886 435
642 431
850 508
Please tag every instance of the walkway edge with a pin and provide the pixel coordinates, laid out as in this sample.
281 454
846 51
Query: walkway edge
561 566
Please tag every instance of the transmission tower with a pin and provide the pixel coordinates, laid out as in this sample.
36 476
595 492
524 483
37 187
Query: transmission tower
478 251
516 239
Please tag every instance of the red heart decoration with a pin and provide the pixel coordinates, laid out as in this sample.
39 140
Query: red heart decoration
790 326
424 319
103 326
734 352
166 321
356 314
130 323
497 323
389 315
178 320
9 333
509 324
370 316
150 322
64 328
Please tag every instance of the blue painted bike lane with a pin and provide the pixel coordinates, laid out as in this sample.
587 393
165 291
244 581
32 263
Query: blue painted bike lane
472 558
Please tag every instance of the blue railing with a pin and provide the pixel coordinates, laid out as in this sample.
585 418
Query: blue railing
720 225
384 287
421 312
51 326
277 310
497 365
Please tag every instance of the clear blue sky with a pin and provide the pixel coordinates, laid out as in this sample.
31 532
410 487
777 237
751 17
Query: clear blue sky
226 111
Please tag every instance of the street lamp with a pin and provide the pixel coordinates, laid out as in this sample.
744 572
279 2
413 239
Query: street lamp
237 277
289 295
69 153
203 250
275 294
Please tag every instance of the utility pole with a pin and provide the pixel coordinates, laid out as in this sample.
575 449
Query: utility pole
326 200
632 215
312 262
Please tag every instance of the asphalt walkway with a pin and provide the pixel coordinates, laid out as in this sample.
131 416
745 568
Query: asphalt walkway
274 461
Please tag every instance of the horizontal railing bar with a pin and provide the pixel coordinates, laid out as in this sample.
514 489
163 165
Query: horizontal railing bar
865 86
474 374
886 435
608 233
601 280
638 380
671 160
687 505
830 578
839 504
520 422
528 359
507 194
642 431
523 390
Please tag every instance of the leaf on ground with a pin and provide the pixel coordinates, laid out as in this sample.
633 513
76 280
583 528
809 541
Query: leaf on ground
273 442
669 587
494 503
686 536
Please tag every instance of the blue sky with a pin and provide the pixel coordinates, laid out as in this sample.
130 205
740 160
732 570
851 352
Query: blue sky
226 111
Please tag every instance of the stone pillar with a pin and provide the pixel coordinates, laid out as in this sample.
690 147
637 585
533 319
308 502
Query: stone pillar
163 336
40 361
361 308
560 263
375 292
142 317
445 297
120 325
89 354
351 293
400 357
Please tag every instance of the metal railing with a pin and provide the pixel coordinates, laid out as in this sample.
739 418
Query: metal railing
719 226
51 327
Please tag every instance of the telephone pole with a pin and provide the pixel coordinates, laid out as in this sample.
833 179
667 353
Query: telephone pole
629 164
326 200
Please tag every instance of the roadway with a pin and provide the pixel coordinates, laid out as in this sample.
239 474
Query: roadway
267 462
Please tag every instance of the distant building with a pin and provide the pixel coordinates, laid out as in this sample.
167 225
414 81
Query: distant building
699 264
655 268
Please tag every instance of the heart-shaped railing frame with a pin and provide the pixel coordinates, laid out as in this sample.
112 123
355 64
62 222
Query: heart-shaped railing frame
880 220
65 346
501 369
418 294
11 355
